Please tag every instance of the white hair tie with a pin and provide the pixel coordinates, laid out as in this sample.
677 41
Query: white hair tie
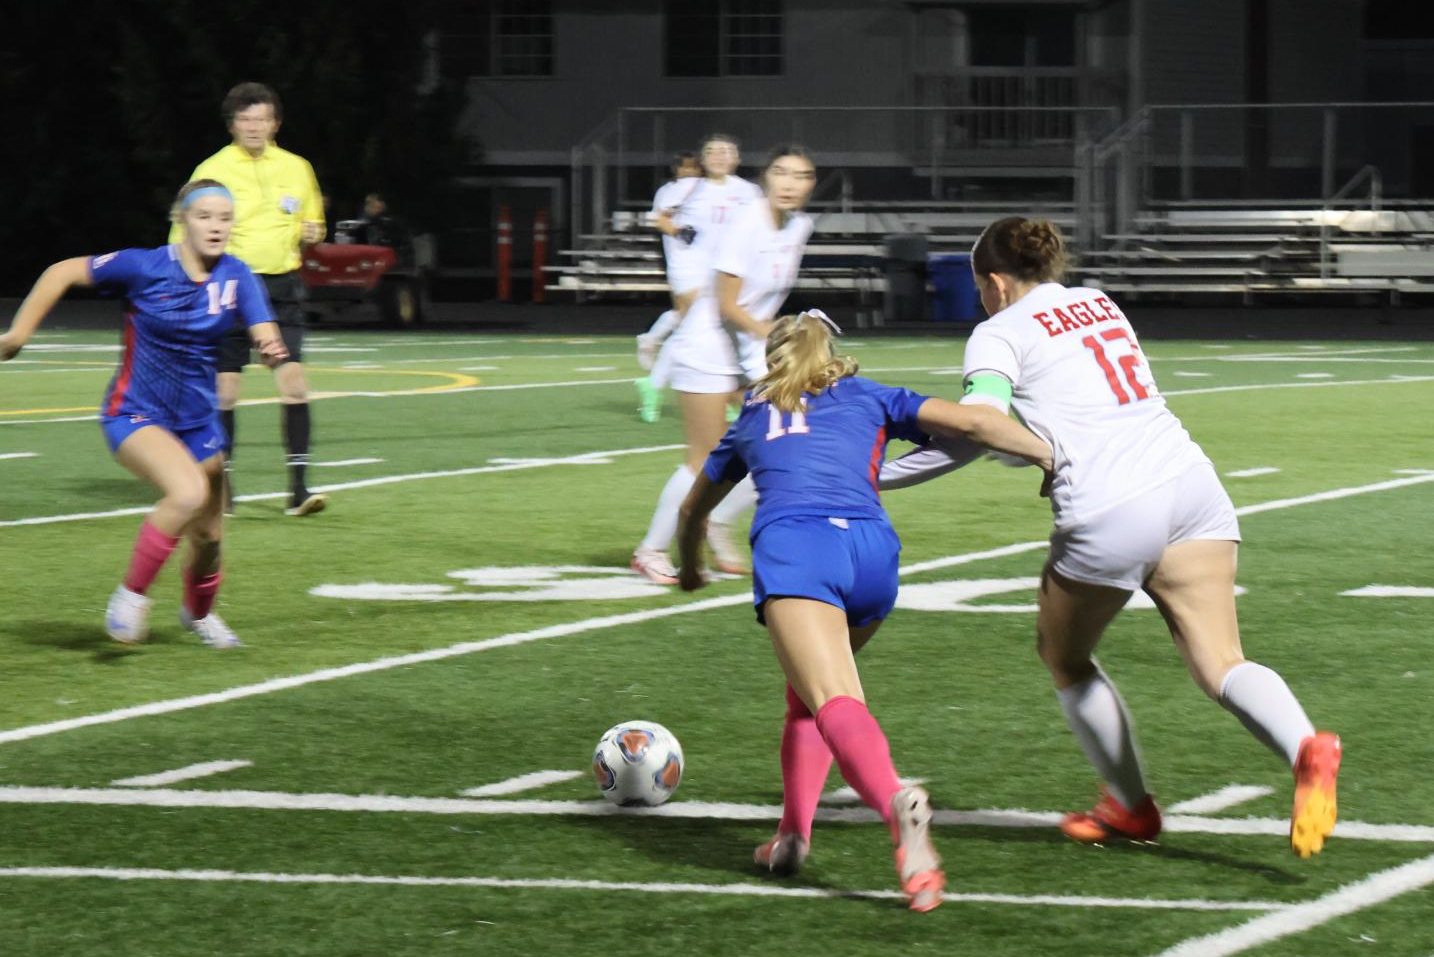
826 320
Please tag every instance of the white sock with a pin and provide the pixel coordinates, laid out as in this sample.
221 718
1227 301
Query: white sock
664 325
742 497
1265 705
664 519
1095 712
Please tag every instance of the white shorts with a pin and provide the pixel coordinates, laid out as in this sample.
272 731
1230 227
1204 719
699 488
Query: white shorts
689 270
684 378
1121 546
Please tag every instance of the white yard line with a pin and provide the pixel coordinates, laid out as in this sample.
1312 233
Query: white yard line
429 391
1212 390
523 782
1251 473
682 810
1375 889
583 458
19 455
554 631
342 462
1223 799
1389 591
570 884
188 773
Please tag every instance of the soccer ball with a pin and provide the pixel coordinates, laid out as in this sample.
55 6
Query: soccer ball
637 764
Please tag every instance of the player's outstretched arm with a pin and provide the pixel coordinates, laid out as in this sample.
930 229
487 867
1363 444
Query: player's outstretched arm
266 338
692 528
943 456
985 426
49 289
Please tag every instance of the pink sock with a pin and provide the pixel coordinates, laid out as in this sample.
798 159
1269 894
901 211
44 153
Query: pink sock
806 759
862 752
199 594
151 550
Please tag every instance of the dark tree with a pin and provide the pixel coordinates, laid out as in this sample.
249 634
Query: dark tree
109 106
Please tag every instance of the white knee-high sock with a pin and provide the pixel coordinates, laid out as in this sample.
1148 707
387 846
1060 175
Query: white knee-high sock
664 325
742 497
1267 707
1095 712
664 520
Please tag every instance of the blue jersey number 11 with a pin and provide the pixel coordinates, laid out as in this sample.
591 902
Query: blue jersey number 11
795 425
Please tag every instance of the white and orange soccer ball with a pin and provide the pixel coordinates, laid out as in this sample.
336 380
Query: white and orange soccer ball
637 764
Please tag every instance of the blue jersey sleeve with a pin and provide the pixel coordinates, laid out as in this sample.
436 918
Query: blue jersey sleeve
254 306
725 464
901 407
112 272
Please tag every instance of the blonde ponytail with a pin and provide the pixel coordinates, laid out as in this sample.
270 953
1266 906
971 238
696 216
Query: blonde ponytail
801 359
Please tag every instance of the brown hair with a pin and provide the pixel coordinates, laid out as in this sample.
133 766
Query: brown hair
1029 250
801 358
176 210
246 95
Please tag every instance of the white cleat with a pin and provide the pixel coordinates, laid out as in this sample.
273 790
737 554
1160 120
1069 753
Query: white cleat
654 565
725 555
127 616
917 864
210 629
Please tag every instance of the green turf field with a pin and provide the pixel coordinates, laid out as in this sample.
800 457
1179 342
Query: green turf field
495 487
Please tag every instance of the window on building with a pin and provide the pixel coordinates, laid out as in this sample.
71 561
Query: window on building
724 37
1022 36
497 38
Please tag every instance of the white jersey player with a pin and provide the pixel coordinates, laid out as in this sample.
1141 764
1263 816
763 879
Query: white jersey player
719 347
1137 505
692 212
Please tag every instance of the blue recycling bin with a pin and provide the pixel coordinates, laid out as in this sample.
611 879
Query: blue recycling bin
955 298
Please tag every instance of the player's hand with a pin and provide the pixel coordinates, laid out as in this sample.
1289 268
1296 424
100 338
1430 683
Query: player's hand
311 232
10 345
1046 481
761 329
272 352
687 234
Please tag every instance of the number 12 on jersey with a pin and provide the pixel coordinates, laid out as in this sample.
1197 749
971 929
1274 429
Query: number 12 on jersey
1129 364
796 424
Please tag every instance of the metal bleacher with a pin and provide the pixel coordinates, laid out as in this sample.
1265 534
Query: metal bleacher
1254 249
846 251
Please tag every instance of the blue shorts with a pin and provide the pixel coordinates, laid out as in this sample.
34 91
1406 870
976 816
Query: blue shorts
847 562
203 441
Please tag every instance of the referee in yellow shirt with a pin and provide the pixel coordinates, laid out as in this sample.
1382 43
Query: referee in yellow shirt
277 210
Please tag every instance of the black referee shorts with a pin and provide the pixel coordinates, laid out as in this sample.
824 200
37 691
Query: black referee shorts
286 297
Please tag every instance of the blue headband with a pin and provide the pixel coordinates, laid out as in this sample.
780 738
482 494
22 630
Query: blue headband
206 191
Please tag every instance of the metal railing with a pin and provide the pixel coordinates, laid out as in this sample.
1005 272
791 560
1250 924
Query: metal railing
1376 191
616 165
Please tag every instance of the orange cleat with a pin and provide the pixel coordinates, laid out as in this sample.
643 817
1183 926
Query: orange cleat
917 863
654 565
1110 819
1315 808
783 855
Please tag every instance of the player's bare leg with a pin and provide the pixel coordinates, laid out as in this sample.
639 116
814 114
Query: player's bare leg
1194 588
1073 615
159 458
202 573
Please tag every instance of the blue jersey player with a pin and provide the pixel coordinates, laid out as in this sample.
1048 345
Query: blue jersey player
159 414
824 564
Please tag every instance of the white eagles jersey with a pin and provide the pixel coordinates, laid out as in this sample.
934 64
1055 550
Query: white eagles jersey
765 258
1080 381
708 207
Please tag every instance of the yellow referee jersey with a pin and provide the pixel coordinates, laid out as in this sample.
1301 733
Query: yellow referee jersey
274 196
